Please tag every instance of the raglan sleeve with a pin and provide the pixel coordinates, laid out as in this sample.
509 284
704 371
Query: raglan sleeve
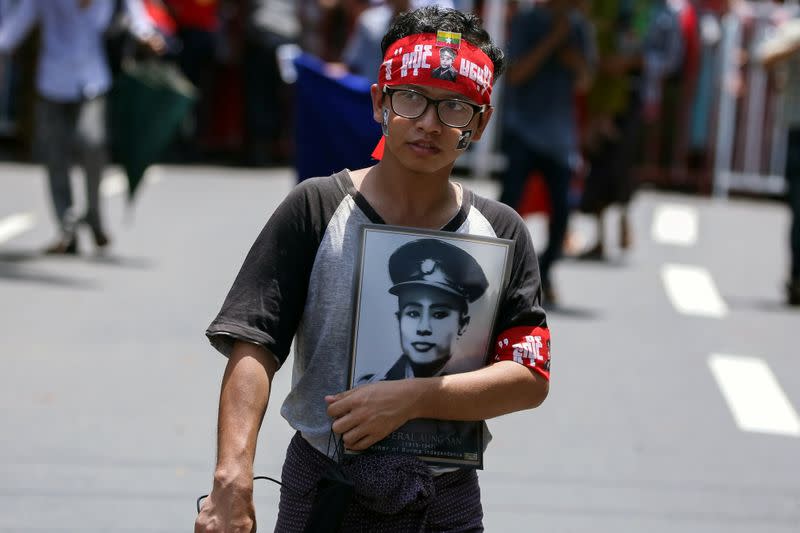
523 335
266 301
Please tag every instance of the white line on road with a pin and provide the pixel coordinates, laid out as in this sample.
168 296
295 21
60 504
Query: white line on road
14 225
675 224
692 291
754 396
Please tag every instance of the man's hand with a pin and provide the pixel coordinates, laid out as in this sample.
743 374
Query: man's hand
242 404
368 413
228 509
155 43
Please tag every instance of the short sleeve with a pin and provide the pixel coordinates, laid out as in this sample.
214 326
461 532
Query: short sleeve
267 298
521 305
522 332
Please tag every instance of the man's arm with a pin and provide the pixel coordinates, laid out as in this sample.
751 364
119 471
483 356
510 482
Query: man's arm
529 64
782 45
367 414
242 404
101 14
16 24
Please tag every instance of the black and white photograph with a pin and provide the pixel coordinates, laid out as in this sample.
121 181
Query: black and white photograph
425 305
445 70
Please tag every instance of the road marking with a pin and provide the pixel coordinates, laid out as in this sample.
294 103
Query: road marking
115 183
675 224
753 395
14 225
692 291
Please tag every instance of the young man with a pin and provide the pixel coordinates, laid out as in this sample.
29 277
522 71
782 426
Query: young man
297 283
434 283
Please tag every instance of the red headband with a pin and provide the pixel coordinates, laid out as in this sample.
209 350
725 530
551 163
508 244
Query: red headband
417 60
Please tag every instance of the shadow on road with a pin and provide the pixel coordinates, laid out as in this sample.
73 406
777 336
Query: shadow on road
571 312
13 272
764 305
139 263
24 256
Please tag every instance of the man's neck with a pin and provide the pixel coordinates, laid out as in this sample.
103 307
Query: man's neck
406 198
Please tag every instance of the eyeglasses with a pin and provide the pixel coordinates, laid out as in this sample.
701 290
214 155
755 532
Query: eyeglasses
451 112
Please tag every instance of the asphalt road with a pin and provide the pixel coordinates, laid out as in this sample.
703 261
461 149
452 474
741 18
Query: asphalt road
673 405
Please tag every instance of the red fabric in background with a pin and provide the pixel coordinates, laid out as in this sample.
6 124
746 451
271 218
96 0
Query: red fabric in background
198 14
535 197
226 121
691 39
160 16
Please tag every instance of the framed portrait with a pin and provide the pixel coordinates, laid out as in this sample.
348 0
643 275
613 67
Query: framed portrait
425 304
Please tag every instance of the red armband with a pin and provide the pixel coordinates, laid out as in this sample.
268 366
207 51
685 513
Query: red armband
527 346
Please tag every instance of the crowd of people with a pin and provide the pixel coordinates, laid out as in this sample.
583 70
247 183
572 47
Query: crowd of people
600 95
594 90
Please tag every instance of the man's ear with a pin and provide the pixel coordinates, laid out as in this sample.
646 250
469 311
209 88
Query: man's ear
483 120
377 103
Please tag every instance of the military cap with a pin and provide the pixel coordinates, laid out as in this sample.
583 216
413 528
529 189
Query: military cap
435 263
449 51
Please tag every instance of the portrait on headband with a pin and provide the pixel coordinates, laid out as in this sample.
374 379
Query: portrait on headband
425 305
445 70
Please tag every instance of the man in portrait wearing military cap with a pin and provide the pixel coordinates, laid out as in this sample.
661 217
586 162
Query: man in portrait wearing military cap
445 70
434 282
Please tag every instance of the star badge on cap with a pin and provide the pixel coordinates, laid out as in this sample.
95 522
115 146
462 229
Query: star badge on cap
427 266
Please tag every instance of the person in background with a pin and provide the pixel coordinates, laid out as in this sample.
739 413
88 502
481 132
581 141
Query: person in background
640 45
269 24
134 29
362 55
197 23
72 80
782 50
548 53
143 27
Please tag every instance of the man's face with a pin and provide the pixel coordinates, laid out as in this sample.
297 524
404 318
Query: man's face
424 144
446 59
430 321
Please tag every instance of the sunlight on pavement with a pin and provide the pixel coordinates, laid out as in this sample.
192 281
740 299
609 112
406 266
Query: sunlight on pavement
692 291
754 396
15 225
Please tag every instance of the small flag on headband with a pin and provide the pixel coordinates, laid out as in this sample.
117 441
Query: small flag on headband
450 39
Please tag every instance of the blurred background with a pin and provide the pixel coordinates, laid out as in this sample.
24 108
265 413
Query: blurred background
676 385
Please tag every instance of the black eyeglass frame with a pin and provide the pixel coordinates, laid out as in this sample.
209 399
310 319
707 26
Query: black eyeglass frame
477 109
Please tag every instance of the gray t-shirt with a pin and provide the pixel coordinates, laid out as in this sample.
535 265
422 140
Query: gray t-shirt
297 284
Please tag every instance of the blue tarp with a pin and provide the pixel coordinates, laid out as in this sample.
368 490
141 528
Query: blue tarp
334 128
